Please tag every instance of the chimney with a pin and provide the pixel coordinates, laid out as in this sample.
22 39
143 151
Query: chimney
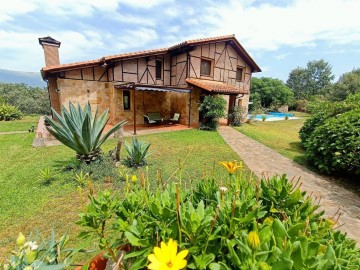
51 50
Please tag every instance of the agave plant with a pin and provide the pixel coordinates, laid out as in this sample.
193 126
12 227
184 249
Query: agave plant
138 152
78 130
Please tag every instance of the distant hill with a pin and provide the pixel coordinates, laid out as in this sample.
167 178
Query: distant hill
30 78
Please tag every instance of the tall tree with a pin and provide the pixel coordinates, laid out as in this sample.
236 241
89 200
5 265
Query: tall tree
272 93
348 83
315 79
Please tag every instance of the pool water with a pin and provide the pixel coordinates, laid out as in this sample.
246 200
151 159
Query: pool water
271 115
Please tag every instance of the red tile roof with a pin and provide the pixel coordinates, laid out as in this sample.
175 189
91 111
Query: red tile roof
215 86
100 61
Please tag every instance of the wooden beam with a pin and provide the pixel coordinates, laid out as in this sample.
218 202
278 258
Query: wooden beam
134 108
190 109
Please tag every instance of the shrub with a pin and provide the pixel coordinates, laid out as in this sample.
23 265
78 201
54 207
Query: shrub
236 116
9 113
138 153
211 110
334 146
322 110
80 131
237 225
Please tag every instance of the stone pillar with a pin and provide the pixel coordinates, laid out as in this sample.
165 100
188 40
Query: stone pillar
51 53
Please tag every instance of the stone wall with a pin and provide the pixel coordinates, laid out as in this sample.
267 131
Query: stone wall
79 91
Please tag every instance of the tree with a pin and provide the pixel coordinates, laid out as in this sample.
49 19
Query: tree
348 83
30 100
313 80
272 93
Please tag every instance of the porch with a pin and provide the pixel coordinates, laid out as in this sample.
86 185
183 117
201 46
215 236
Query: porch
128 131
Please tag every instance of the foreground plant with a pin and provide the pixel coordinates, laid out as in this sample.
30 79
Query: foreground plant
79 130
246 225
39 255
137 153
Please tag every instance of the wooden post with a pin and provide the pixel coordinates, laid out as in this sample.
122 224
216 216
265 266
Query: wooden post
189 109
134 108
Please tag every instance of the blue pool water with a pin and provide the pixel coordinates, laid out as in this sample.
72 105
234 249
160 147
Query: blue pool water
273 115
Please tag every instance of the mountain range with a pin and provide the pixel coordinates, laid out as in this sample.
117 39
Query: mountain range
30 78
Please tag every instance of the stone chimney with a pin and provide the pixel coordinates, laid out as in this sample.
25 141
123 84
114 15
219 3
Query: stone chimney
51 50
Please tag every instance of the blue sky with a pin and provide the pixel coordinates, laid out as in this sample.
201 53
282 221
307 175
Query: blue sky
280 35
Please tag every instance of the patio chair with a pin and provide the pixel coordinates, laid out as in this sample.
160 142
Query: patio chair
147 121
175 119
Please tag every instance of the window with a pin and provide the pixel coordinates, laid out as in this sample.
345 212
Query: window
205 68
158 69
126 99
239 74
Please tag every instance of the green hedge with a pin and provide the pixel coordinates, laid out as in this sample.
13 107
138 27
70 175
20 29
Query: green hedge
334 146
323 110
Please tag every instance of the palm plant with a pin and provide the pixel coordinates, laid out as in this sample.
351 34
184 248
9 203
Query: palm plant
78 130
138 152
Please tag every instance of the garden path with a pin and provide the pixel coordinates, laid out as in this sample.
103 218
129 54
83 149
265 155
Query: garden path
12 132
264 161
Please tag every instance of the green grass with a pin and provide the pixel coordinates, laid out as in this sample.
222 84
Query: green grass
19 125
28 204
281 136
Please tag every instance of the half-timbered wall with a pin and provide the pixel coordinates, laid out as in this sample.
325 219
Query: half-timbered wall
94 84
224 59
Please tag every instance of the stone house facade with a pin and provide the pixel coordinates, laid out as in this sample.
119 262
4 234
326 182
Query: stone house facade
168 80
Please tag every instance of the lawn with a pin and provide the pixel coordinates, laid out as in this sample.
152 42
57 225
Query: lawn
29 204
281 136
20 125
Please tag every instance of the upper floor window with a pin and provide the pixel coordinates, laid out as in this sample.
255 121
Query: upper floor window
126 99
205 68
158 69
240 74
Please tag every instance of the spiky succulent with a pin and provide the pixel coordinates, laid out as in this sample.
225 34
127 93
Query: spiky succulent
79 130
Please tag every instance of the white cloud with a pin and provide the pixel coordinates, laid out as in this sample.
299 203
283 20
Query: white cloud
301 23
131 19
144 3
26 54
9 9
63 8
136 39
281 56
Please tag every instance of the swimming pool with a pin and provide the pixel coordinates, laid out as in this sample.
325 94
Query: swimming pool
271 116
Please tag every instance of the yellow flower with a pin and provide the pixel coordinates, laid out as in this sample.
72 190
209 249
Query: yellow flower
20 240
231 167
253 240
133 178
166 257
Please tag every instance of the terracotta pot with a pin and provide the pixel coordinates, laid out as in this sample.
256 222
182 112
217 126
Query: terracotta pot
96 263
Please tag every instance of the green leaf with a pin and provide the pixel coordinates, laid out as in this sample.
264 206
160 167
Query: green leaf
133 240
296 256
218 266
282 264
203 260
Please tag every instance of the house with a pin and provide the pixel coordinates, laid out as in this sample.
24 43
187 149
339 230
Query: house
168 80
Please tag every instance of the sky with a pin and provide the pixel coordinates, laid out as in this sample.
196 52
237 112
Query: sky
279 35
